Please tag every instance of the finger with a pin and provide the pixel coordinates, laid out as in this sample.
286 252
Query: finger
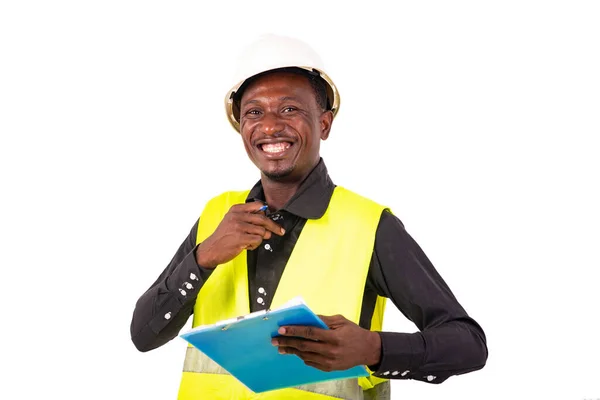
304 345
250 207
322 367
251 242
307 332
253 229
267 223
315 360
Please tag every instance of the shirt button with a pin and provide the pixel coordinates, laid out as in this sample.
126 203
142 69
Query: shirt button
193 276
430 378
260 300
183 292
268 247
168 315
262 291
188 286
405 372
395 373
386 373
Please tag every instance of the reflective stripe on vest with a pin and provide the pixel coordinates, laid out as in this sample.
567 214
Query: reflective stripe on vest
347 389
328 267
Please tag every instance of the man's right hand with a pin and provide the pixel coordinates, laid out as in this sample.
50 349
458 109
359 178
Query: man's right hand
242 228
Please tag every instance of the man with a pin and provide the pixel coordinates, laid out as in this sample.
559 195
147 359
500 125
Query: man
343 253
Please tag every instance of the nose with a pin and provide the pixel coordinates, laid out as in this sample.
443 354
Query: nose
271 124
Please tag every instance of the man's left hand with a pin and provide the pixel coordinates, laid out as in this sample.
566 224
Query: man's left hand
342 346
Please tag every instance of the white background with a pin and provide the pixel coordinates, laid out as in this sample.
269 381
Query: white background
476 122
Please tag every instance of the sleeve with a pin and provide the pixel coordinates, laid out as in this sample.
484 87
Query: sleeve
165 307
449 341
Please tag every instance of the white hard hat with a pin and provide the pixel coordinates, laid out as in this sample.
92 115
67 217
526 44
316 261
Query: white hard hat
272 52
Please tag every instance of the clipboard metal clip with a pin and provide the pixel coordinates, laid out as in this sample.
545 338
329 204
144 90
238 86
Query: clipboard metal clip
266 317
229 322
225 327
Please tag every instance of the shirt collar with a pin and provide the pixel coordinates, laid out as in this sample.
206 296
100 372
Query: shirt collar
312 197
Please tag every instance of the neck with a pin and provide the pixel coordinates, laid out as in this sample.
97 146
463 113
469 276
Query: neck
279 192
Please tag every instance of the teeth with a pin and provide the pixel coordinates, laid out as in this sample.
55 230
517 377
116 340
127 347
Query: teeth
275 147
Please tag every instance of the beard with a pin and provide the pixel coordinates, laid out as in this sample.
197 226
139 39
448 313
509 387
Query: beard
279 174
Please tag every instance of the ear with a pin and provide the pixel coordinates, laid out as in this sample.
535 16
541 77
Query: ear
325 124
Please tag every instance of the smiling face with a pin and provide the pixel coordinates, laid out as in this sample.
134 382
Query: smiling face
282 125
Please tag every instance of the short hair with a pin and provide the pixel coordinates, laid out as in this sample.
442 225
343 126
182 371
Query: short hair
314 78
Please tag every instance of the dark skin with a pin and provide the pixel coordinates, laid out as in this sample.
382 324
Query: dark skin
282 125
281 108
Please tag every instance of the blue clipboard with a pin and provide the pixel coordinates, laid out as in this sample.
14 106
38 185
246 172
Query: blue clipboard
242 346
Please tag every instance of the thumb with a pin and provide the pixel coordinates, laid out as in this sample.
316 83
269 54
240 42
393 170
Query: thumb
332 320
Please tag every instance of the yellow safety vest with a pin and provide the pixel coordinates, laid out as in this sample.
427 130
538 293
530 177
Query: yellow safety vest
328 267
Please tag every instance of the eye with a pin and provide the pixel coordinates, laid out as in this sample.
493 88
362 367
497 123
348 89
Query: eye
289 109
252 111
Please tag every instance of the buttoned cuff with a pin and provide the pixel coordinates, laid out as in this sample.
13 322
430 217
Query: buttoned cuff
402 355
182 287
187 278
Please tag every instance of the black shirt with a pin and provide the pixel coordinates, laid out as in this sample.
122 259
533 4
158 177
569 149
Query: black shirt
449 342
